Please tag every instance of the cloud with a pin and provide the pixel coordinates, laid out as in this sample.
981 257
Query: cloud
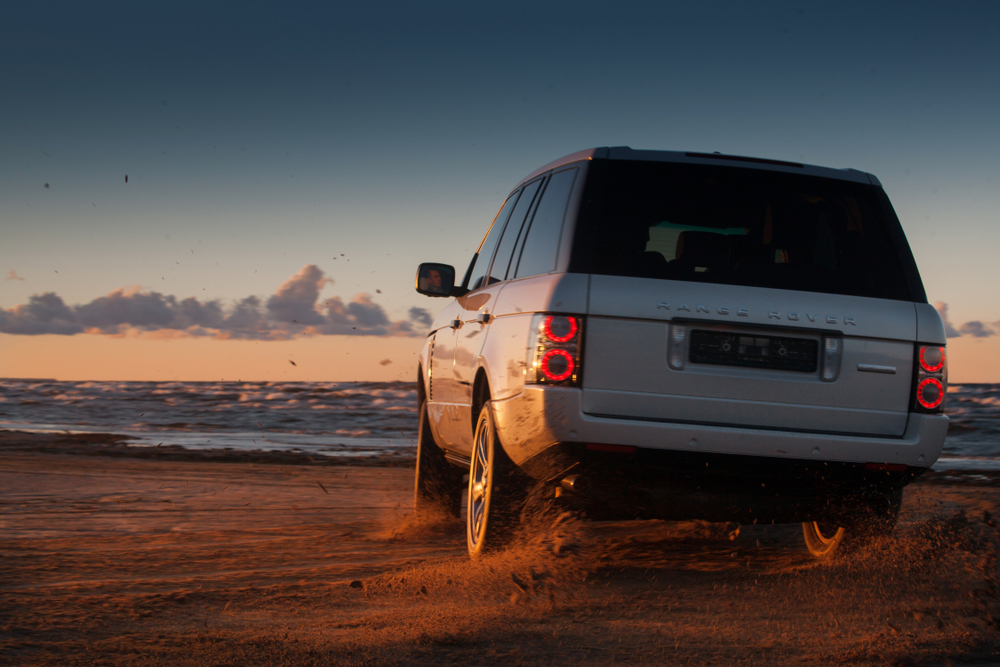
976 329
973 328
12 275
292 311
361 316
421 317
44 313
295 300
128 307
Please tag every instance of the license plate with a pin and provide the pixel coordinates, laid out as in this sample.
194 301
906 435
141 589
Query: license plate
753 351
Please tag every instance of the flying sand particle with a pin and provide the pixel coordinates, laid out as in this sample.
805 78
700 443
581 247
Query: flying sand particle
323 487
292 362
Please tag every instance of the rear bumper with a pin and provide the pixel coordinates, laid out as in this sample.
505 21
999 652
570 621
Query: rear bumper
717 473
541 417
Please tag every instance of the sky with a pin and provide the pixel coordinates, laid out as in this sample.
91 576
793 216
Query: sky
289 164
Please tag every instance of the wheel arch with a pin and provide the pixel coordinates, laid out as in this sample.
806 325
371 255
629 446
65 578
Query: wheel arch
421 385
480 394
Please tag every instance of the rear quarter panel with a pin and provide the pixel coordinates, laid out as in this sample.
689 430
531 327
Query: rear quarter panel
504 352
930 328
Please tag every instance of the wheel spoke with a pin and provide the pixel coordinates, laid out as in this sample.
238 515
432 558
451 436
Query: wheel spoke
479 475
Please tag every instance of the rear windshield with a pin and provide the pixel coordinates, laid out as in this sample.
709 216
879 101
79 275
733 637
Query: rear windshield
737 226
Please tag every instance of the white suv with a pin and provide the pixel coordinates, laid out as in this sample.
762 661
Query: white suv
684 335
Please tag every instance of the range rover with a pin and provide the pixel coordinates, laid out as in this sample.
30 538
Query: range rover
678 335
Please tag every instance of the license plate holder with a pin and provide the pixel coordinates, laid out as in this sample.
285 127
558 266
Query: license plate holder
725 348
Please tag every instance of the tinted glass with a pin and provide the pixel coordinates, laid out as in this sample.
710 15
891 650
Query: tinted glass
513 232
542 240
738 227
477 270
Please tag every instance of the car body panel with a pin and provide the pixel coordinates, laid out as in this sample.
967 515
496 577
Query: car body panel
648 298
930 328
441 387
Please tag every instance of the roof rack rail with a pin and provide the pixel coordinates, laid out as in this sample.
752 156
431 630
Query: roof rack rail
739 158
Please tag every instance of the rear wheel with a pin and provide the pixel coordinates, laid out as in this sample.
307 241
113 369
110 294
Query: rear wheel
495 494
875 518
437 487
822 539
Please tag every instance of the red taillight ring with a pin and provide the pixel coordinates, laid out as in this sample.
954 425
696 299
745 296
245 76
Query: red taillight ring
547 359
560 339
920 393
926 366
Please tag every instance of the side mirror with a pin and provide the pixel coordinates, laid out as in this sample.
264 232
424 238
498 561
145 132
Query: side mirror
437 280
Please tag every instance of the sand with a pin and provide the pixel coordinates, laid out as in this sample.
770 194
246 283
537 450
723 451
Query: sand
117 559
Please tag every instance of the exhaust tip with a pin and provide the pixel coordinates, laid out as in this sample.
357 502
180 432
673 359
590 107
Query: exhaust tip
574 483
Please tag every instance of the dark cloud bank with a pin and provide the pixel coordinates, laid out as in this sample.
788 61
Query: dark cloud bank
294 310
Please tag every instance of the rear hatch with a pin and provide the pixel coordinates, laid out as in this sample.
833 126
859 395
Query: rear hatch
749 357
749 295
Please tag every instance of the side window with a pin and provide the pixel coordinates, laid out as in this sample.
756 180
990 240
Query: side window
541 241
481 261
514 230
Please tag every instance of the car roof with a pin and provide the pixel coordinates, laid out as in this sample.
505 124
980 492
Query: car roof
626 153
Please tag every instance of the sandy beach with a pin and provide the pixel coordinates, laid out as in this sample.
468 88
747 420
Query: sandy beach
116 557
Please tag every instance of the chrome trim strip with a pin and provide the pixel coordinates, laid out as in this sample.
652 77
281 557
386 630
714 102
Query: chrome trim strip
872 368
458 459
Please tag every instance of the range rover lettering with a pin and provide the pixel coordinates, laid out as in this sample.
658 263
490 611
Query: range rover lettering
683 336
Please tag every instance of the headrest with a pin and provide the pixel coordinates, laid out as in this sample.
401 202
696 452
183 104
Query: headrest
701 248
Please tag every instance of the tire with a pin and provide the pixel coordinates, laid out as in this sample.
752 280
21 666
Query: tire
496 493
437 486
875 519
822 539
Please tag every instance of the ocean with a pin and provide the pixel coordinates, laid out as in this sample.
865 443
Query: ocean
335 418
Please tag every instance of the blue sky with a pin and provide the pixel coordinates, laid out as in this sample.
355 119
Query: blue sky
261 138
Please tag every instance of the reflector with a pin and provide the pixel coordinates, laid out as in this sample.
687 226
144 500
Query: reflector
676 346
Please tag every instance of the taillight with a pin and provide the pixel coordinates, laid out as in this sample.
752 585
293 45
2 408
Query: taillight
557 365
932 358
560 329
554 350
931 382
